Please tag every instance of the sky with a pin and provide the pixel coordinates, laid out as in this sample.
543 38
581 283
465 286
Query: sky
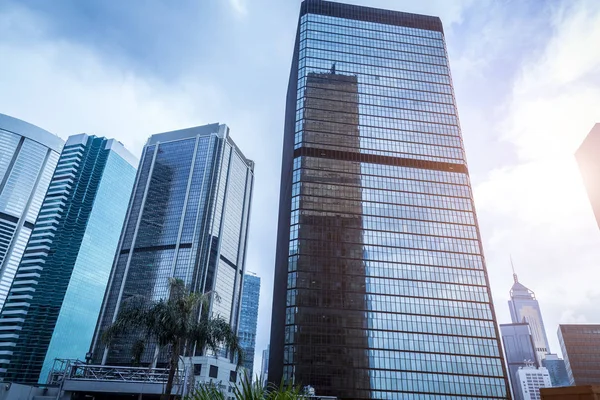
526 75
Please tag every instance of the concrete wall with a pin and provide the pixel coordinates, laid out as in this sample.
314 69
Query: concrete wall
15 391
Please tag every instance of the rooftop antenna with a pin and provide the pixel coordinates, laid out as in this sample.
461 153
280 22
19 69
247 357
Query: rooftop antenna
513 270
333 69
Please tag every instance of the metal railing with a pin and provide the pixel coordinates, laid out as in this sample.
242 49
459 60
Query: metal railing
78 370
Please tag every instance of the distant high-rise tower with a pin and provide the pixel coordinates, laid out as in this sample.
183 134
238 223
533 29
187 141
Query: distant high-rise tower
249 319
525 308
28 156
580 345
380 284
519 353
588 158
264 368
557 369
55 298
188 219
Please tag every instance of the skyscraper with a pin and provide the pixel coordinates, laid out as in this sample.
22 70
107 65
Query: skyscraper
380 284
557 369
519 353
588 159
28 156
187 219
249 319
264 367
580 345
55 298
524 307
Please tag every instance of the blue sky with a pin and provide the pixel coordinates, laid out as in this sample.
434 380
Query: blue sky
526 76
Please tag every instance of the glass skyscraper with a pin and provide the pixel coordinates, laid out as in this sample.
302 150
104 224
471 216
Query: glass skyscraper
524 307
187 219
519 353
249 319
557 369
54 301
28 156
264 365
381 290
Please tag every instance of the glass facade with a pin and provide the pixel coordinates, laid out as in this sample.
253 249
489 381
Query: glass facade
557 369
580 345
28 156
525 307
188 219
519 353
54 301
249 319
381 290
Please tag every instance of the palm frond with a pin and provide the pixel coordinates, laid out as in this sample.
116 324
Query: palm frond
249 390
133 316
216 334
205 392
284 392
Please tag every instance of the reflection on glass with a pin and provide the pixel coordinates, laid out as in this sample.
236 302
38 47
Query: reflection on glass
386 290
188 219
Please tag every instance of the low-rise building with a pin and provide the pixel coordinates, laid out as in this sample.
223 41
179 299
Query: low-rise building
571 393
531 380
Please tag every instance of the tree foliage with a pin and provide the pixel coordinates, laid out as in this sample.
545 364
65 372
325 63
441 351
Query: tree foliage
179 323
248 390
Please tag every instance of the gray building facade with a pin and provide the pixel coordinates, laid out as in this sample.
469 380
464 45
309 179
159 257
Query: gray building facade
28 156
381 289
187 219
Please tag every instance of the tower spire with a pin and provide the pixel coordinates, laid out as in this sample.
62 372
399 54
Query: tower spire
513 270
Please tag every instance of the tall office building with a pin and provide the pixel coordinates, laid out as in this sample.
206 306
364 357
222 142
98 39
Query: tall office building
519 353
249 319
524 307
55 298
588 159
380 288
580 345
28 156
187 219
557 369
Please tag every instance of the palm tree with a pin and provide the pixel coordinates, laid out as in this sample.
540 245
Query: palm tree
248 390
179 323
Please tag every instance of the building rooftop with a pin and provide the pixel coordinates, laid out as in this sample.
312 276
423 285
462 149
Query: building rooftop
520 291
30 131
218 129
369 14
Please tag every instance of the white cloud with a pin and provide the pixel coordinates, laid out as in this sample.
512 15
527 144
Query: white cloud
67 88
537 208
239 6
